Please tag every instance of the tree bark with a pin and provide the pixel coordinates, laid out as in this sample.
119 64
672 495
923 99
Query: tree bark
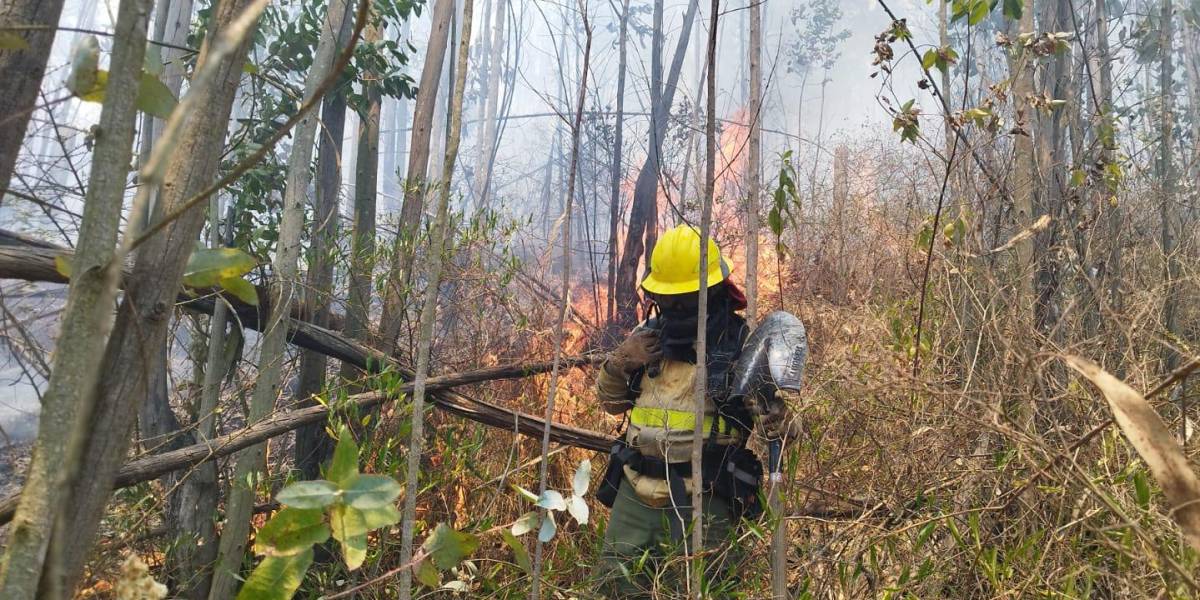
250 462
487 140
394 291
362 241
614 206
1023 169
433 277
22 70
642 213
143 315
754 161
313 446
85 325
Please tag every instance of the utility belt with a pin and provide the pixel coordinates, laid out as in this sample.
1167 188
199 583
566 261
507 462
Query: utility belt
730 472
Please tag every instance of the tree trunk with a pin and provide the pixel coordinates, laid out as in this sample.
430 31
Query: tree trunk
1169 211
1023 169
240 500
86 322
433 276
414 183
313 445
614 206
21 70
754 161
143 315
701 376
487 141
642 213
362 241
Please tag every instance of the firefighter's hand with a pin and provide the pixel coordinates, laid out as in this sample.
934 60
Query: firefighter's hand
777 418
638 350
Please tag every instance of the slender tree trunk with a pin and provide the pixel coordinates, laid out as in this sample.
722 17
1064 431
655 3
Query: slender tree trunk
560 330
614 205
1023 169
250 462
86 322
710 184
313 445
1169 210
429 308
754 161
362 241
21 70
487 141
642 213
414 183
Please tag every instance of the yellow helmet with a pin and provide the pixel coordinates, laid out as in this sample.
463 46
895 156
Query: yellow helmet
675 264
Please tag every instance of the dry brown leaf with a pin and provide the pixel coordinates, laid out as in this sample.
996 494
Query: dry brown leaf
1148 434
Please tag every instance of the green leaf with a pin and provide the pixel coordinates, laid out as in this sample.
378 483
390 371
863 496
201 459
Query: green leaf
446 547
208 266
578 509
308 494
347 522
979 11
154 97
528 495
291 530
241 289
12 41
923 535
153 63
1078 176
354 551
250 68
775 221
1013 9
428 574
85 64
519 553
343 469
1141 489
277 577
929 59
371 491
62 264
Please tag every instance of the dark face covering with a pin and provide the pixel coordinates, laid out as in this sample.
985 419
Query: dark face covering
679 316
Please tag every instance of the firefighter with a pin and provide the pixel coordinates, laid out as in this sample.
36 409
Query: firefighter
650 377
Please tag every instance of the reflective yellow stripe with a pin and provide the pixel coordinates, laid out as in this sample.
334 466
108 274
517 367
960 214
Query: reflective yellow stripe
678 420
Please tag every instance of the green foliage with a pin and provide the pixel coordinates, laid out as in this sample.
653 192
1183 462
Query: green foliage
89 82
277 577
941 58
290 531
224 267
785 201
907 122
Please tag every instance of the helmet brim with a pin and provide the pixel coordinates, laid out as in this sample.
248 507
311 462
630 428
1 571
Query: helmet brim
716 274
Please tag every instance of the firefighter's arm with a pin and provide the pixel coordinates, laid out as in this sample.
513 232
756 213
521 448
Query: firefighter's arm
638 350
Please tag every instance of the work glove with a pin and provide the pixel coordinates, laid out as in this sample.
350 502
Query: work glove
641 348
777 418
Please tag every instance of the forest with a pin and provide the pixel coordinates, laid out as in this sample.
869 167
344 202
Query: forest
381 299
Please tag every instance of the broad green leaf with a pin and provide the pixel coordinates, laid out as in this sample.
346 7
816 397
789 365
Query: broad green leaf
528 522
371 491
446 547
549 528
923 535
354 551
929 59
347 522
979 11
775 221
578 509
154 97
1013 9
519 553
277 577
308 494
291 530
153 63
241 289
62 264
208 266
85 64
12 41
583 477
343 469
552 500
428 574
